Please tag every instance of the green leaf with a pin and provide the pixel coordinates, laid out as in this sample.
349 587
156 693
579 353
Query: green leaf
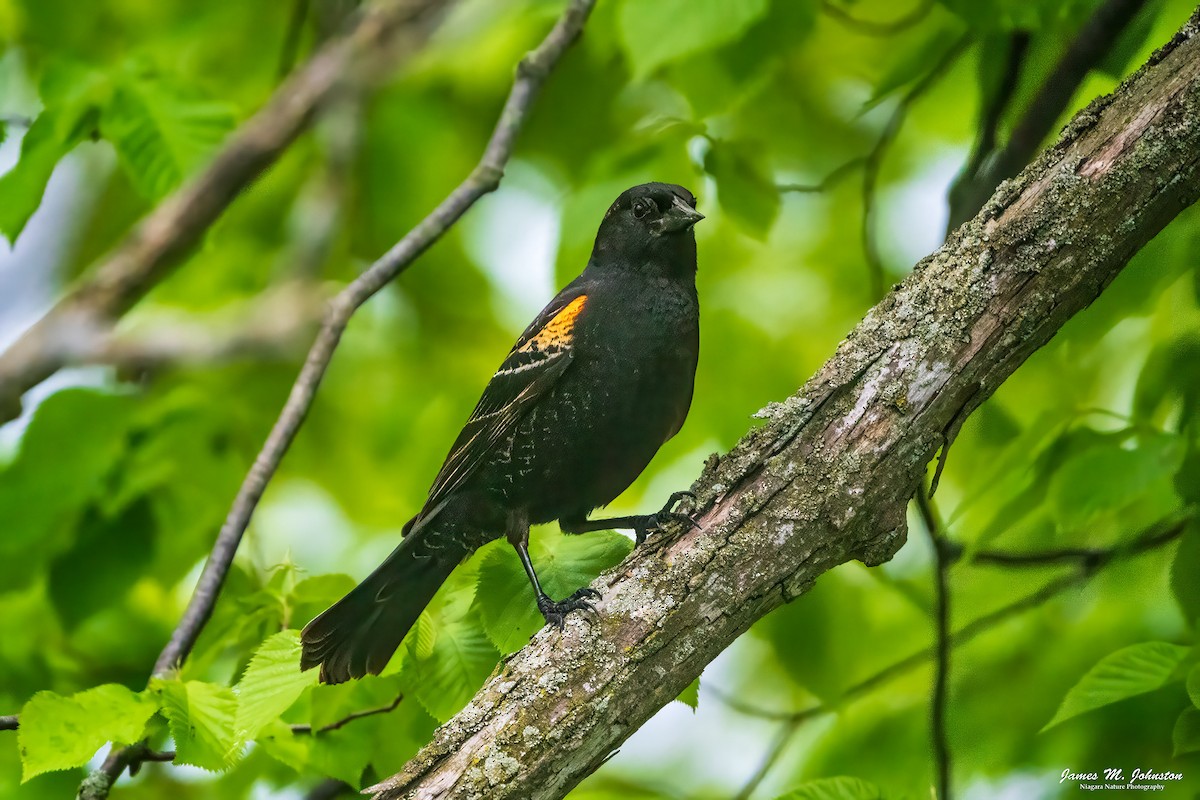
1126 673
271 684
1185 738
461 659
202 718
840 788
1171 373
1108 478
563 563
743 189
64 732
1185 566
1193 685
109 556
1029 15
162 131
42 493
657 32
345 751
914 62
72 96
690 696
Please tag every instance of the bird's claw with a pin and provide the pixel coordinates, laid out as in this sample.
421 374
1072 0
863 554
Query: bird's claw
667 515
556 612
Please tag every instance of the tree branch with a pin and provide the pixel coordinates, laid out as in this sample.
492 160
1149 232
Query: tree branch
9 722
333 726
531 74
942 560
794 720
277 324
1095 38
163 238
828 478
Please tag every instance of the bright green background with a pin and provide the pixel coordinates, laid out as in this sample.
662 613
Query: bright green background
111 495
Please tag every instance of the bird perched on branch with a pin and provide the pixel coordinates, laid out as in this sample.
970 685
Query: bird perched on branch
593 387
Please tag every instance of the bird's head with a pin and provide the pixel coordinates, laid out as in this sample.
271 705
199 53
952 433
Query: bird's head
650 225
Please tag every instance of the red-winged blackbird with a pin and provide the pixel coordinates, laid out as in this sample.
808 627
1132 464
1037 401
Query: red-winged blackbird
590 391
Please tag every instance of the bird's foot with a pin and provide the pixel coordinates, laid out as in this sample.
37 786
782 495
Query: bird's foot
556 612
665 516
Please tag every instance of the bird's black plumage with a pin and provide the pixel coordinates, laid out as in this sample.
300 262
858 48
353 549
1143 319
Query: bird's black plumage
587 395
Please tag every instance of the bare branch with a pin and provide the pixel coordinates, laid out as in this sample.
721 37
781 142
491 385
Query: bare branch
163 238
1153 538
870 27
828 477
276 325
531 73
942 559
333 726
9 722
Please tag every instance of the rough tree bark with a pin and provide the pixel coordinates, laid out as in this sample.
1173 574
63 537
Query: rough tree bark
827 478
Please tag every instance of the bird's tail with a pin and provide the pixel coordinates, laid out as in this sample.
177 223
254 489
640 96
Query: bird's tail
359 633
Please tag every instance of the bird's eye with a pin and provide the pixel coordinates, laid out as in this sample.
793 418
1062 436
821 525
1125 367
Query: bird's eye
641 208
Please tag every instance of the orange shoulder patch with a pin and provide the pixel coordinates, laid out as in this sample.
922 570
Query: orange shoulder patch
559 331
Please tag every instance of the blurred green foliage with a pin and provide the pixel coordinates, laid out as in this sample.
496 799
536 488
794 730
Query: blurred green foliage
110 495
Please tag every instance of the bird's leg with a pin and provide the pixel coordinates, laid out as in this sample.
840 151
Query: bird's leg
554 611
642 525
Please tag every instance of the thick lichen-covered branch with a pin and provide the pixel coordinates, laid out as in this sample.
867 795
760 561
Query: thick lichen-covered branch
828 477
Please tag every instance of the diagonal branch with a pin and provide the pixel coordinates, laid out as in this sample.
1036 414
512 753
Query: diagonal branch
531 74
828 477
1155 537
163 238
1094 40
346 720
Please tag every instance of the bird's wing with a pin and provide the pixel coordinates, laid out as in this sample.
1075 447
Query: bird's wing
535 362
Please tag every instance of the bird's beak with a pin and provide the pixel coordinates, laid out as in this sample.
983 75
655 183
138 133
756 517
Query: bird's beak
679 217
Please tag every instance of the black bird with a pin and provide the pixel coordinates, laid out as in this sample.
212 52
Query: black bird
593 387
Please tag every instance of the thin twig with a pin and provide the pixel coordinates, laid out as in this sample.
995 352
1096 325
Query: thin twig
333 726
874 160
531 74
941 672
163 238
1151 538
9 722
871 27
1094 40
783 738
827 182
